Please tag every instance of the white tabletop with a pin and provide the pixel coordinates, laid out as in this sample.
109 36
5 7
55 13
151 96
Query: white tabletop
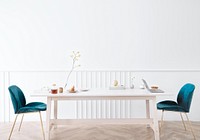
100 92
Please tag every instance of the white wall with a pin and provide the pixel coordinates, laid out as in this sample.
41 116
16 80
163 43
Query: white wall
110 34
130 34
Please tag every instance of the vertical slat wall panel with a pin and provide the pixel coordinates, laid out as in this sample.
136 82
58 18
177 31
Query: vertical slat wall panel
8 101
131 106
103 108
2 96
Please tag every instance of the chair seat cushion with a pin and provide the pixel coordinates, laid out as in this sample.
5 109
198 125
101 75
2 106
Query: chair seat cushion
33 107
170 106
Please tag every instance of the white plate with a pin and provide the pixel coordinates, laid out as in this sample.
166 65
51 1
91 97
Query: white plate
84 90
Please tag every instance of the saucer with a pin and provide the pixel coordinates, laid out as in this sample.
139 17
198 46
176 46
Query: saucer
72 91
84 89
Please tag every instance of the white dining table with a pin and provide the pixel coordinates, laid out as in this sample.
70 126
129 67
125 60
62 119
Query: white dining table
102 94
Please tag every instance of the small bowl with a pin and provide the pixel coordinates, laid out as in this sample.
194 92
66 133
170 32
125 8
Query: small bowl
154 87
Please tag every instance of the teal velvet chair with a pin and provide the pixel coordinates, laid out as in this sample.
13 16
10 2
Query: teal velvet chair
182 105
20 106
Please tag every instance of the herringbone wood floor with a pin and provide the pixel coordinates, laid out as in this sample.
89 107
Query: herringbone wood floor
32 131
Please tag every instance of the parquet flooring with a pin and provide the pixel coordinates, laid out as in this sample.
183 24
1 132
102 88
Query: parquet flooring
32 131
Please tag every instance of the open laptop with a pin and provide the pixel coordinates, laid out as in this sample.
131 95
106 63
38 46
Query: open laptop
151 90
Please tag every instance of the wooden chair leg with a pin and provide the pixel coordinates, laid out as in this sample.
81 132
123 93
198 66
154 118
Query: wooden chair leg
190 126
21 122
42 125
183 121
13 127
161 123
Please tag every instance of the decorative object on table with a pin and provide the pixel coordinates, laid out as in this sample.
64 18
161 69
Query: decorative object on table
60 89
155 90
115 83
154 87
54 89
74 56
116 86
72 90
132 85
84 89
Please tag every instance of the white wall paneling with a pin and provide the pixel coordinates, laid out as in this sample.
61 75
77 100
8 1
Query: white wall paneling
169 80
2 96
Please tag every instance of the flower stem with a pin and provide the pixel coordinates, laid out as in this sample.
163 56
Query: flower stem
74 56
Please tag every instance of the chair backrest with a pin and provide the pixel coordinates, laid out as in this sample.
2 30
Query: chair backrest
17 97
185 94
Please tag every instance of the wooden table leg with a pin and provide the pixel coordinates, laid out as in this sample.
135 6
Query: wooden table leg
147 111
55 111
48 118
155 120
